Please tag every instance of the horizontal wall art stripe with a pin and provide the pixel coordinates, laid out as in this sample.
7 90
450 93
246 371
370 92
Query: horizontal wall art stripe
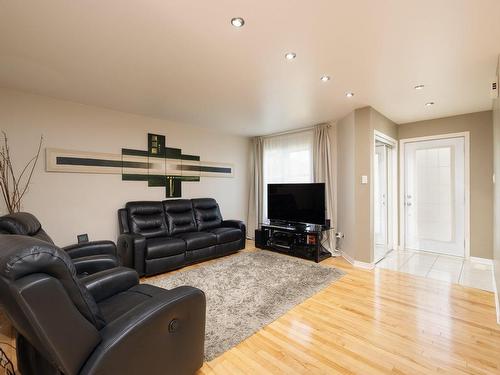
159 165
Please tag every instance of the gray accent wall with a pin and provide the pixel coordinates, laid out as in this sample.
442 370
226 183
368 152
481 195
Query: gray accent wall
355 139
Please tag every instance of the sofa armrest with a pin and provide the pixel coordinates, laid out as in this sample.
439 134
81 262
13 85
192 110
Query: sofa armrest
238 224
91 248
131 249
107 283
95 263
165 334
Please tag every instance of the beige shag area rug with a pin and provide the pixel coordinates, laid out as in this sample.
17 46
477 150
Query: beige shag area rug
249 290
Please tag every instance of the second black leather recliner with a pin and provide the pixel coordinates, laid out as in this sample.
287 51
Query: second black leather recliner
88 257
105 323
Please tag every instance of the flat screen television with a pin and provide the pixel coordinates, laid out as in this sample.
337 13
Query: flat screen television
296 203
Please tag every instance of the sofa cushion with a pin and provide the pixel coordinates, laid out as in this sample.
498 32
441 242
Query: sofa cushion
198 240
225 235
206 213
163 247
179 216
147 219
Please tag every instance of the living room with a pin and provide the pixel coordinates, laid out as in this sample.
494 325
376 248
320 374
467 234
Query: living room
249 188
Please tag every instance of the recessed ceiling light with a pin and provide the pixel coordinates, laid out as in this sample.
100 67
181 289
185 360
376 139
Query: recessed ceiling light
429 104
290 55
349 94
419 87
325 78
237 22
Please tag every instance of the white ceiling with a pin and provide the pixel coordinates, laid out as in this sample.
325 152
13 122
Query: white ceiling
182 60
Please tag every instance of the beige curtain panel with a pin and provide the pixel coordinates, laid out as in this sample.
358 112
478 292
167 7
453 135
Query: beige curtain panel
323 170
255 205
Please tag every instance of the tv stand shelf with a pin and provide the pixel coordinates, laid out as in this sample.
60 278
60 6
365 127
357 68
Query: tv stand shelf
303 241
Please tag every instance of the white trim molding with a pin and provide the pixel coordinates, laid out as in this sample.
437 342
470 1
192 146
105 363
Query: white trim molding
393 229
357 263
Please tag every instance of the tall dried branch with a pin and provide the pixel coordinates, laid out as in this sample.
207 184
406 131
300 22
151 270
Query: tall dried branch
13 186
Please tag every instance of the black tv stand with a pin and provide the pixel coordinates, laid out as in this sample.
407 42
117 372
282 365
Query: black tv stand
300 240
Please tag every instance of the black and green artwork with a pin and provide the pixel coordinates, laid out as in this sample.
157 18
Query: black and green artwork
159 165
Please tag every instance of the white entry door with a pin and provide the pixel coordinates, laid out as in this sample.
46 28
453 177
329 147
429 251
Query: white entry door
434 195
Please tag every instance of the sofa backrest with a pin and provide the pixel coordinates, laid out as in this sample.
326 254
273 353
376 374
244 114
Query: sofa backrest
206 213
179 216
24 224
147 219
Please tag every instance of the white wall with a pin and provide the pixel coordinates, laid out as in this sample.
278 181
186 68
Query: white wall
69 203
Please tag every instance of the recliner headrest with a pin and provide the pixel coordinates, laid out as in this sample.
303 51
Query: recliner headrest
177 205
21 256
144 208
204 203
22 223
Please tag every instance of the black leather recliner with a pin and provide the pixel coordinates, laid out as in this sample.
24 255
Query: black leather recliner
88 257
105 323
161 236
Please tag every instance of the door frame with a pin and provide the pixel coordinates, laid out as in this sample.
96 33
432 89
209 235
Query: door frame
392 228
402 143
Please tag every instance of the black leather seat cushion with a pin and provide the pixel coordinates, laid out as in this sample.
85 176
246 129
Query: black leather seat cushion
163 247
198 240
120 303
225 235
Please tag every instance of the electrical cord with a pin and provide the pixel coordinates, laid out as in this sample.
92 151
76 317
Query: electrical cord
325 239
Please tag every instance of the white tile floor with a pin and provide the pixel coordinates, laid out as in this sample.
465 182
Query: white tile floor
440 267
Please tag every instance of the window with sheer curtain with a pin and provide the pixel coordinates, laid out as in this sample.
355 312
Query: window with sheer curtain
287 159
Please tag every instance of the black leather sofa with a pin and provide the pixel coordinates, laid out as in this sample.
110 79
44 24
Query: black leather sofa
88 257
161 236
104 323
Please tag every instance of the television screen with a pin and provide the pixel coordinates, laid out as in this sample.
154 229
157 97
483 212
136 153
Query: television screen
300 203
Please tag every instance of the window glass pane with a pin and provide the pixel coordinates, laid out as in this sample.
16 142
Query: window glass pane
287 159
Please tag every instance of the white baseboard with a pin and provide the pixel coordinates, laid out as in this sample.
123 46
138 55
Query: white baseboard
357 263
486 261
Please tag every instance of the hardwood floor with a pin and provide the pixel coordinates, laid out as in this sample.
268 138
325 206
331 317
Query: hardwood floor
375 322
371 322
7 342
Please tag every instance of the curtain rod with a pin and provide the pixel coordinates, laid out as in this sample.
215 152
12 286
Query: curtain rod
292 131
